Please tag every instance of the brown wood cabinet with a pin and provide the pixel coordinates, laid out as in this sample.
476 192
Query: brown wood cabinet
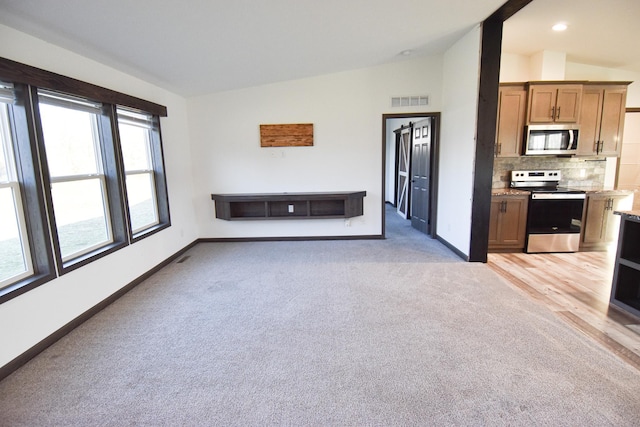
600 226
507 223
554 102
512 103
602 119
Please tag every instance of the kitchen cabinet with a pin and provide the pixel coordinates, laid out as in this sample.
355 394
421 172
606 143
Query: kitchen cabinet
600 225
512 103
625 289
554 103
507 222
602 119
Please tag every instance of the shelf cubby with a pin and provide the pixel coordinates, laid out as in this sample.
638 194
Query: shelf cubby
625 289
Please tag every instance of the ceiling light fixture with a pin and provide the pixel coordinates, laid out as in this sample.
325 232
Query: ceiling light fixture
560 26
407 52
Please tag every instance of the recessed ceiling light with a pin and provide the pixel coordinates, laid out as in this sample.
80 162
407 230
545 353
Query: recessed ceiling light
407 52
560 26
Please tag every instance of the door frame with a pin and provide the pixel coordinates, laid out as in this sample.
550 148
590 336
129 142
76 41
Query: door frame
435 158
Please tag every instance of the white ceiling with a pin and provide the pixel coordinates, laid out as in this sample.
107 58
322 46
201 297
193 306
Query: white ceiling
203 46
199 46
601 32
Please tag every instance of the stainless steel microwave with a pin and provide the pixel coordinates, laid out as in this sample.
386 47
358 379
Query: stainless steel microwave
541 140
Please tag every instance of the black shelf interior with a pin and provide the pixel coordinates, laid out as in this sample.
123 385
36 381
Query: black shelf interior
281 209
327 207
628 286
247 209
630 249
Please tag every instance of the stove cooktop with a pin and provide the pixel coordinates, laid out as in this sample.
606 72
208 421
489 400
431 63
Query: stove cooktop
540 181
549 189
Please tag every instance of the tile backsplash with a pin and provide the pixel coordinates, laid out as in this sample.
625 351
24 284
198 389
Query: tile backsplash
576 172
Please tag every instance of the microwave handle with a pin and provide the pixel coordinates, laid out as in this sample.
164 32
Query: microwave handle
573 141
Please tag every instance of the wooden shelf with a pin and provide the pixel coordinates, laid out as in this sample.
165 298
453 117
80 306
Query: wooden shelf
625 291
233 207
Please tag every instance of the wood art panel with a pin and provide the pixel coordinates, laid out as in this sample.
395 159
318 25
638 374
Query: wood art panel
288 135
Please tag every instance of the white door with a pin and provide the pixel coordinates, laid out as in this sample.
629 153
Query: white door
404 159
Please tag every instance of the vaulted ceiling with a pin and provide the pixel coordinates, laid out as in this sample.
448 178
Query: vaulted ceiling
197 46
600 32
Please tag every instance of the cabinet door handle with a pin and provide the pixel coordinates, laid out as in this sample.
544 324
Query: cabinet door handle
503 207
558 113
553 113
607 205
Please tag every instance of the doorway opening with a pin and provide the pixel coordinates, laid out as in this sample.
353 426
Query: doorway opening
406 174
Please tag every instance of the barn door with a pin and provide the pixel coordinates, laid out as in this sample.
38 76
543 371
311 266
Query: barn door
420 171
404 162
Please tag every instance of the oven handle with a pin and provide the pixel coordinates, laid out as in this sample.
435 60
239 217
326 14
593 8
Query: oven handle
564 196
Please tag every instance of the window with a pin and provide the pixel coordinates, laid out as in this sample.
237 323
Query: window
15 255
78 183
135 141
81 174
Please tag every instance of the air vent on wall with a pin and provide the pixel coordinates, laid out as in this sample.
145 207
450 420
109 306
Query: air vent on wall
409 101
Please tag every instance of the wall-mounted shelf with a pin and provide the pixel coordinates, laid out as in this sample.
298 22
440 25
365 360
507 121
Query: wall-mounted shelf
344 204
625 290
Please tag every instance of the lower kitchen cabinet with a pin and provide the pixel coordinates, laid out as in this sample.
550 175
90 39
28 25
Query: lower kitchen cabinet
600 226
508 222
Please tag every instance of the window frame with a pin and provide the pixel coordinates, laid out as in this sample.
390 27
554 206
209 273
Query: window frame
29 176
35 183
13 184
114 212
157 173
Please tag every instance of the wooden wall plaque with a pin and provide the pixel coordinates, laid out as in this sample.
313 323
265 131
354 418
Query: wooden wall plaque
291 135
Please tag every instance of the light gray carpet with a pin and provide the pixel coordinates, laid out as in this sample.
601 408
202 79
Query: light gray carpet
345 333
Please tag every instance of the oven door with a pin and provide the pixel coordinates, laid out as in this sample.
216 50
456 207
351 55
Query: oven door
554 222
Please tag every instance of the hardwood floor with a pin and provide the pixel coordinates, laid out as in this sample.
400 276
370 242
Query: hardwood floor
576 287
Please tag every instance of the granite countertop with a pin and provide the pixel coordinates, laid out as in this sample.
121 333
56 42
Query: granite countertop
600 190
634 214
509 192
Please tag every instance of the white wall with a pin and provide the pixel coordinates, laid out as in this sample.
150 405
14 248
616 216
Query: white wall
515 68
575 71
346 110
520 68
31 317
457 146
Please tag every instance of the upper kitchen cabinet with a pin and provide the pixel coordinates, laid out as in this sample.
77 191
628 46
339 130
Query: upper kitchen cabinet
554 102
602 119
512 102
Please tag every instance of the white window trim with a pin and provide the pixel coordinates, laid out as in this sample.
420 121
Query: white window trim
154 200
72 103
23 236
142 120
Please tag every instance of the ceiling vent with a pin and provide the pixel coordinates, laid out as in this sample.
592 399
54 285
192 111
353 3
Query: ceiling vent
410 101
